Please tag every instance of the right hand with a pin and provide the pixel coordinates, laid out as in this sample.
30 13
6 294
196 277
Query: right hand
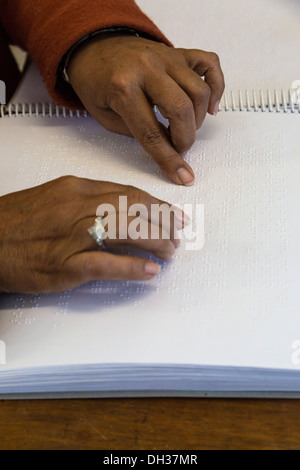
119 78
45 246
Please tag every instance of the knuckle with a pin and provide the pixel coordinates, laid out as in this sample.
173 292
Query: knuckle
170 250
165 249
183 109
134 269
214 58
67 179
120 86
70 182
185 145
136 196
151 137
172 160
204 93
146 57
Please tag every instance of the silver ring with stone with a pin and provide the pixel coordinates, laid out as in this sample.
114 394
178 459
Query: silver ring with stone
97 231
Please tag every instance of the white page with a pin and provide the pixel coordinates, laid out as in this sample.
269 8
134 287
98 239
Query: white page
257 43
233 303
256 40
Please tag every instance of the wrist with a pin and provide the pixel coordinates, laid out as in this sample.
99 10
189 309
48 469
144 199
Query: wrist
63 75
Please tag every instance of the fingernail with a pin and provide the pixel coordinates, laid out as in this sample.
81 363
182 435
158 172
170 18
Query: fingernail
182 218
185 177
179 222
152 268
177 242
187 220
216 109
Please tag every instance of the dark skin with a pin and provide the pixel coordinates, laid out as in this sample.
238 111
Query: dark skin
44 243
45 246
120 78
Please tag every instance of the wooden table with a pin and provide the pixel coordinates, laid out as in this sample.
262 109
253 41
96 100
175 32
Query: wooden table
150 424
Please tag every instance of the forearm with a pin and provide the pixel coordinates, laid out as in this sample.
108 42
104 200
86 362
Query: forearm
49 28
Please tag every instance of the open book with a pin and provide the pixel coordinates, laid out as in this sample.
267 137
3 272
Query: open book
221 319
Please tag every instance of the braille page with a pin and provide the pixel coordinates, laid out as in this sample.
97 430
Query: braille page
235 302
256 40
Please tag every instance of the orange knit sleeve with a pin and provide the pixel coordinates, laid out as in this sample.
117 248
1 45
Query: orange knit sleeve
47 29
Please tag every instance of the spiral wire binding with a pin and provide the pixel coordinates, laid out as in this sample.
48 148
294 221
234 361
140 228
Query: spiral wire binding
272 102
51 110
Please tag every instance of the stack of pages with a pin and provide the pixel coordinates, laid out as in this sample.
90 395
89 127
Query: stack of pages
223 317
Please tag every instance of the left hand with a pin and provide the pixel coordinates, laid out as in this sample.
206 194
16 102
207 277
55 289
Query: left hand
45 246
120 78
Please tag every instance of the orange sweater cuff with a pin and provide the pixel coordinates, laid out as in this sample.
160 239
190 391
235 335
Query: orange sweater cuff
47 29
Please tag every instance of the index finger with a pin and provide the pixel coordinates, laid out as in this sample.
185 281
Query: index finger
153 136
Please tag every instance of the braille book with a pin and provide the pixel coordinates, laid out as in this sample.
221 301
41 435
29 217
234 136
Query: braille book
219 319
